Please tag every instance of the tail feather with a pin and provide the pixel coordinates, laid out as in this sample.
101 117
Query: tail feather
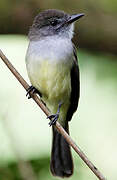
61 159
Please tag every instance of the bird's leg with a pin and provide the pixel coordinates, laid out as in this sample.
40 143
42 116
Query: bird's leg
54 117
32 90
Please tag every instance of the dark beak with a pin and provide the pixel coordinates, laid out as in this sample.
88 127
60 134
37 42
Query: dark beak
74 17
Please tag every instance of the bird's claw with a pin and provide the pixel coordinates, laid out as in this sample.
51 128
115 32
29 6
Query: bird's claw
32 90
54 118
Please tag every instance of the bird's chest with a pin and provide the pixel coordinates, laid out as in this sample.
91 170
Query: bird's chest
51 78
48 65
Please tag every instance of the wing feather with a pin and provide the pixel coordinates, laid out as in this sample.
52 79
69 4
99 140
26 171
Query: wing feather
75 87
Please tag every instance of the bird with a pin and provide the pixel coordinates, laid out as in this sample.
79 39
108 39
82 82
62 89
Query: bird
53 70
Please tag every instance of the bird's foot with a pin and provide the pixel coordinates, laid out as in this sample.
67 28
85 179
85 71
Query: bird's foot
54 117
32 90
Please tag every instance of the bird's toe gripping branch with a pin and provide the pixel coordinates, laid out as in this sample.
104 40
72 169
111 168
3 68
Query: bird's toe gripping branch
32 90
54 117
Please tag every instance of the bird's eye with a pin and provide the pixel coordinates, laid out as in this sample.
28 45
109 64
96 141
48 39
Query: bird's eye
54 22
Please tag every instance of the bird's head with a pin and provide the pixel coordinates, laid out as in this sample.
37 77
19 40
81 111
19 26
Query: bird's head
53 22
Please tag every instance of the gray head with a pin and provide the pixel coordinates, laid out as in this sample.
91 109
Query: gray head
53 22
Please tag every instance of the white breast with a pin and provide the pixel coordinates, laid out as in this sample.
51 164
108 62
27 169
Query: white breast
52 48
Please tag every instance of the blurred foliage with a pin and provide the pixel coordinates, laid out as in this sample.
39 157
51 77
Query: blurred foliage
11 171
97 30
40 168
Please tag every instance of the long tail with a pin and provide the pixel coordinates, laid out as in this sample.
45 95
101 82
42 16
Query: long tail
61 159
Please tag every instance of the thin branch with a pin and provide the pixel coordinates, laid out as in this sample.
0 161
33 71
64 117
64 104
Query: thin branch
58 126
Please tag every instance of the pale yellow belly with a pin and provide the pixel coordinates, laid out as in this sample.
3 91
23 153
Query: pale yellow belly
54 82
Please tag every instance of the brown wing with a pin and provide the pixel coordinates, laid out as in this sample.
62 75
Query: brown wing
75 87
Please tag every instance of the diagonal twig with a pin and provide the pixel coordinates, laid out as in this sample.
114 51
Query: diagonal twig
58 126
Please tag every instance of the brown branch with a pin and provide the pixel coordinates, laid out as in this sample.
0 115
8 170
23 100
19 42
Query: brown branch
58 126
